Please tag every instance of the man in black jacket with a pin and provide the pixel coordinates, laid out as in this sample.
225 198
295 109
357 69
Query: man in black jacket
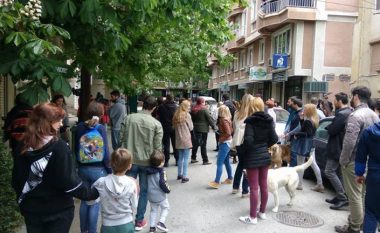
334 147
165 114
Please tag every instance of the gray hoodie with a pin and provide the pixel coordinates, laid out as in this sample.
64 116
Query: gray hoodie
118 196
117 113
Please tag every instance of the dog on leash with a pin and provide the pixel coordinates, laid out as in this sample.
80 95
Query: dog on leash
285 177
279 153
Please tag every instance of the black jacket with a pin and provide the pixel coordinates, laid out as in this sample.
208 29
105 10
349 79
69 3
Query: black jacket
52 192
165 114
259 135
336 132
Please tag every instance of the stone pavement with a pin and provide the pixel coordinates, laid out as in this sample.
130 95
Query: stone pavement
196 209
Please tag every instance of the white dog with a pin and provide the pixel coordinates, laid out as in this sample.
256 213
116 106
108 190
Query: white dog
285 176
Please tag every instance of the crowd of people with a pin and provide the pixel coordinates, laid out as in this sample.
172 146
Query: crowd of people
121 183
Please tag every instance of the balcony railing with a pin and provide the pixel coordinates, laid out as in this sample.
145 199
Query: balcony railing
274 6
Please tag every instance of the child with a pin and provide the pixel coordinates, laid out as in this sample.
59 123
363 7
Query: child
118 195
157 190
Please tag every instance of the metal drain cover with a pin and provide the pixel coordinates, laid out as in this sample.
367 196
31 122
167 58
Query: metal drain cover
298 219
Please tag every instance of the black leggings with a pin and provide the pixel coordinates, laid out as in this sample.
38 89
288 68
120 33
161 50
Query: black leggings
57 222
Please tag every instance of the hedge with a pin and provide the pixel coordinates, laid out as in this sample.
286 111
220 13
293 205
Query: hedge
10 217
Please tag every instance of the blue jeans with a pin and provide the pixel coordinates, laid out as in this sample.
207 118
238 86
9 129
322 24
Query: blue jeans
372 205
223 159
183 161
293 159
88 214
239 173
115 138
143 182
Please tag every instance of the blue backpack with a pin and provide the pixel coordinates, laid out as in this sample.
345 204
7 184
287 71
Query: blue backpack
91 146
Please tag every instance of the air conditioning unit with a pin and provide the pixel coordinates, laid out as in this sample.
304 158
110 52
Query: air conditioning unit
315 87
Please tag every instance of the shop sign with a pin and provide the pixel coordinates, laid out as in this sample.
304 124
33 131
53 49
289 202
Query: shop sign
257 73
280 76
224 86
280 61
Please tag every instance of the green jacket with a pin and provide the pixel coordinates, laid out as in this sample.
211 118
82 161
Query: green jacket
141 134
202 120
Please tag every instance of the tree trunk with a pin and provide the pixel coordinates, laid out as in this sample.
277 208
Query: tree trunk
85 92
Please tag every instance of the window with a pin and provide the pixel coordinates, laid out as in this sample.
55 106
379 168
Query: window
243 24
231 67
250 57
261 51
253 10
282 42
236 62
242 60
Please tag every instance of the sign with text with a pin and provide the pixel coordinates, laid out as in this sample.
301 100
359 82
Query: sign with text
280 76
257 73
280 61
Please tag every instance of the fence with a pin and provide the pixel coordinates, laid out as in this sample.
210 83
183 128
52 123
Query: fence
275 6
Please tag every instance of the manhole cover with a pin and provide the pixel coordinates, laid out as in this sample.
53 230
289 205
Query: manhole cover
298 219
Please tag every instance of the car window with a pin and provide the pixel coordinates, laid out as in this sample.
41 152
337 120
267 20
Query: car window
321 131
281 115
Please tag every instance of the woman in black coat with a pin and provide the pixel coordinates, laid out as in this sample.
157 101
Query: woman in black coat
259 135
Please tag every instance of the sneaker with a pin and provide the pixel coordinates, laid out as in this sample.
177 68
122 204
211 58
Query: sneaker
227 181
213 185
345 229
318 188
162 227
185 180
206 163
248 220
262 216
179 177
152 230
140 225
243 195
235 191
194 161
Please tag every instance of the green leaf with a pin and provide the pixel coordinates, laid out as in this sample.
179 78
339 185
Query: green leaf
36 92
72 8
37 49
10 38
61 85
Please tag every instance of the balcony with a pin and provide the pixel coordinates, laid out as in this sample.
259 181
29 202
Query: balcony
270 7
274 14
237 10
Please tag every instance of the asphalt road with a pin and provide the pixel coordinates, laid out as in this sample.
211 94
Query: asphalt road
194 208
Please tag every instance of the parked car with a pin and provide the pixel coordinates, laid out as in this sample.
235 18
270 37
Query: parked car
320 144
212 106
281 118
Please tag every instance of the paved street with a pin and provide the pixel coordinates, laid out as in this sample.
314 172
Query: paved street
196 209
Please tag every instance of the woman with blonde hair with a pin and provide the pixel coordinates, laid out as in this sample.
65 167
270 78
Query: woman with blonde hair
304 144
182 126
239 127
259 135
225 140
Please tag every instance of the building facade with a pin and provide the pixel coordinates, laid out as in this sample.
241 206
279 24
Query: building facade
288 48
366 49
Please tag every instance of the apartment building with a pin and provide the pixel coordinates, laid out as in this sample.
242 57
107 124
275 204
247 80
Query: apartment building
366 48
288 48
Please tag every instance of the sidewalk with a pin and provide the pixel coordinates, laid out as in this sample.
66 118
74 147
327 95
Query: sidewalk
196 209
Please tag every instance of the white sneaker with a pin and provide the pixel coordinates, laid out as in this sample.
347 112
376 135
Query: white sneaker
248 220
262 216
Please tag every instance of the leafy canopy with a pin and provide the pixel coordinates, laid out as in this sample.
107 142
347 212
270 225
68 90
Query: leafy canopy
130 44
